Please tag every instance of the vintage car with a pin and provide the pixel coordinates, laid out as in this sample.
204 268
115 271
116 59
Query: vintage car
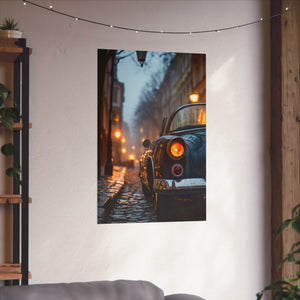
173 167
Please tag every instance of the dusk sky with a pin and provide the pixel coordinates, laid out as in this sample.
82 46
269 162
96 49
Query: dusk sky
135 78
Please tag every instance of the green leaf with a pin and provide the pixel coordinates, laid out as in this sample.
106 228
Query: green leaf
13 113
8 149
290 280
284 225
10 172
4 91
7 122
259 295
9 24
296 224
291 257
277 285
295 210
295 245
17 168
2 112
296 251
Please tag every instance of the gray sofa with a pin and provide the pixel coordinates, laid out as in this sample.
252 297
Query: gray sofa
97 290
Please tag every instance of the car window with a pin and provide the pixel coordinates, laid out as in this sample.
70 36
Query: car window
188 117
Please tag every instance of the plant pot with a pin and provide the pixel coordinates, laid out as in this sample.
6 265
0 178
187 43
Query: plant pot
16 34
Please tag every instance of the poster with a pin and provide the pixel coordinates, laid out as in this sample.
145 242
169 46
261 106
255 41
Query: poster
151 137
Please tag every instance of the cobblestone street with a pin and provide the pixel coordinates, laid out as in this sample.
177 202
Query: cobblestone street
131 205
121 200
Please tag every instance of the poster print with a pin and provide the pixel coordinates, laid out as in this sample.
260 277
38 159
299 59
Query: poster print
151 137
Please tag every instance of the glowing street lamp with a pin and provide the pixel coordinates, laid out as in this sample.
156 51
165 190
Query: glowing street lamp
194 97
117 134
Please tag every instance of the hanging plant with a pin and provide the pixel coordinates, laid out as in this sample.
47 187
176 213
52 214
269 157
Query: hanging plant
287 288
8 115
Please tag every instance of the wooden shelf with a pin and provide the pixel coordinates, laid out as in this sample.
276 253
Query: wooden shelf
12 199
9 50
11 272
17 126
15 51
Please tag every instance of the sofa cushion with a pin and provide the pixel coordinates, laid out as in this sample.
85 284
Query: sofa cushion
97 290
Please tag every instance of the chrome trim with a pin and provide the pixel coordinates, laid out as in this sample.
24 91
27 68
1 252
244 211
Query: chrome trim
183 184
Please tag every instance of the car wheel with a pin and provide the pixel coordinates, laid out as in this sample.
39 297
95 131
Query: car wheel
164 207
147 194
150 178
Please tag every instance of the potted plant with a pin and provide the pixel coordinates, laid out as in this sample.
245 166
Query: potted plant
8 115
287 288
9 29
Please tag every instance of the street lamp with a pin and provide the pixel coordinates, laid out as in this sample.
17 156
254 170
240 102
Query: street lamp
117 134
141 56
194 97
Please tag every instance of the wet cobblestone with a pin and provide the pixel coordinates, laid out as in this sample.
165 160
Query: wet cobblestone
120 199
131 207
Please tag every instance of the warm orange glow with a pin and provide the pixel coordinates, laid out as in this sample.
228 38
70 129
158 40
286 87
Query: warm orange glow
202 117
133 147
117 134
194 97
177 149
123 150
131 157
123 140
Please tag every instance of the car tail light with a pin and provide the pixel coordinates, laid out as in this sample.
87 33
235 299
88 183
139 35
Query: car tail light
177 170
177 148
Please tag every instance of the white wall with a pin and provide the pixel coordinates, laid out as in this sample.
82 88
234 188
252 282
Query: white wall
226 257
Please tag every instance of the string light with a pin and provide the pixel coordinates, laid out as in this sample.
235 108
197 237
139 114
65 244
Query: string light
136 30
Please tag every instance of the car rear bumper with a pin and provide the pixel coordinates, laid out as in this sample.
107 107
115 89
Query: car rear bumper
186 184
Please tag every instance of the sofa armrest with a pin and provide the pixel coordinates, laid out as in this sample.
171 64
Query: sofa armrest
182 297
